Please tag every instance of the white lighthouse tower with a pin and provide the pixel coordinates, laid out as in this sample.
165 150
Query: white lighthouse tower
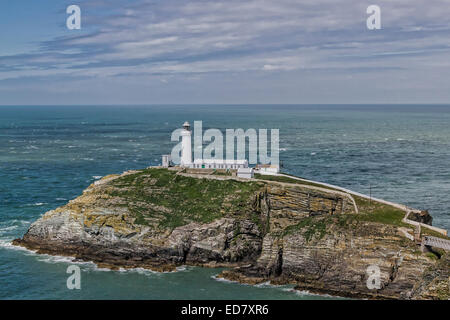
186 147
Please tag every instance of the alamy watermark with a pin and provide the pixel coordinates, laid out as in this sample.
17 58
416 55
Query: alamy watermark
235 144
374 280
74 280
73 21
373 22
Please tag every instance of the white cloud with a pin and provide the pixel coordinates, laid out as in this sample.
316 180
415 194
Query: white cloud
188 38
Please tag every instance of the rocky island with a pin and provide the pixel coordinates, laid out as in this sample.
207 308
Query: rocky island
271 228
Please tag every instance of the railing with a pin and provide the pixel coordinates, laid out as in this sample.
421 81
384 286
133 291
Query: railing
436 242
415 223
393 204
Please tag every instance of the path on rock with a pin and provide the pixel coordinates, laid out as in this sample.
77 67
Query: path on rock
393 204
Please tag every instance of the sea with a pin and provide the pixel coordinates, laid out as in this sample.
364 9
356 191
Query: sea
49 154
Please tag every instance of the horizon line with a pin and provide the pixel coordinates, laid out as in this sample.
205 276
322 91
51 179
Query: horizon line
225 104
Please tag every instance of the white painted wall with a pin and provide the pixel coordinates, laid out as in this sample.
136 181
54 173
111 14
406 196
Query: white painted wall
186 148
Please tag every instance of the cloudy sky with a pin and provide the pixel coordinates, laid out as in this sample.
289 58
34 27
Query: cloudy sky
232 51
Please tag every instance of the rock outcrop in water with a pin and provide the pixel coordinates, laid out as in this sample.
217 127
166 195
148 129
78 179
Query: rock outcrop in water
421 216
280 231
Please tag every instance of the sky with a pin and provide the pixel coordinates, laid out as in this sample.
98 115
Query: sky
224 52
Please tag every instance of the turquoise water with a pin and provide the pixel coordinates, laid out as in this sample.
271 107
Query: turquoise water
48 155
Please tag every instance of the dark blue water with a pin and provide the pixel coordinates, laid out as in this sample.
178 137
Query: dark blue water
48 155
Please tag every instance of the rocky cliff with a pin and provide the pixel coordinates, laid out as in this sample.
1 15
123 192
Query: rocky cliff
280 231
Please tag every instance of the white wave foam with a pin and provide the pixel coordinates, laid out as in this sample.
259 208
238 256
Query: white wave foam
140 271
215 277
263 284
64 259
9 228
14 222
307 293
183 268
22 222
152 272
7 244
36 204
55 259
268 284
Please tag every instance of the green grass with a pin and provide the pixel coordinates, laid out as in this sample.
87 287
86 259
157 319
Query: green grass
174 200
432 256
368 210
433 233
373 211
222 173
184 199
309 227
379 212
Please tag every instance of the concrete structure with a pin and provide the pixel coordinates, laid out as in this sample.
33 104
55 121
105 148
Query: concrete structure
415 223
186 146
166 159
429 241
246 173
267 169
417 233
219 164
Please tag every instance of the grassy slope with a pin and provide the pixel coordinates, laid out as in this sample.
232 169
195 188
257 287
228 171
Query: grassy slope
182 199
370 211
163 198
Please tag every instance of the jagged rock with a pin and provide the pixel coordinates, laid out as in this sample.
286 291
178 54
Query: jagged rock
421 216
281 232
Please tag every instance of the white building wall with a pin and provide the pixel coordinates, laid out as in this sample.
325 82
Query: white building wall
219 164
186 149
246 173
269 170
166 160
